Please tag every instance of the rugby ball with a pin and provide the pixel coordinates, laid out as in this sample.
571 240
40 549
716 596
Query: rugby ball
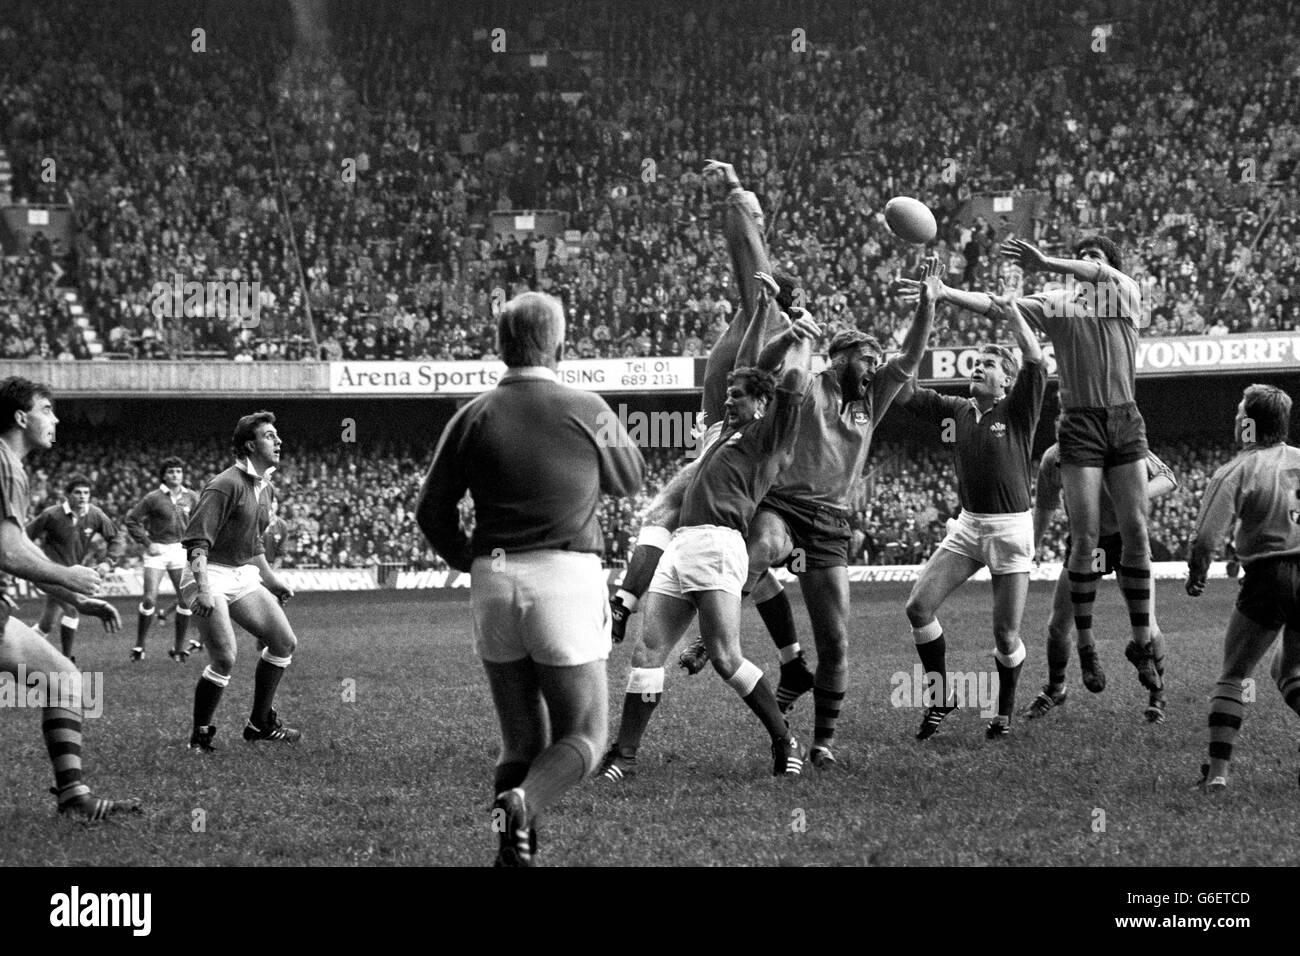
910 219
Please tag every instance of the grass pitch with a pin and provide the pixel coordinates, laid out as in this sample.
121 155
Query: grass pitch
401 773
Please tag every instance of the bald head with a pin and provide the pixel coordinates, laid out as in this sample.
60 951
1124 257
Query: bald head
531 330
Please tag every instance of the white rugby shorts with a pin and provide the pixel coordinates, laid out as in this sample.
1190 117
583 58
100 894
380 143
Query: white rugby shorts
550 606
1003 542
172 558
702 558
230 583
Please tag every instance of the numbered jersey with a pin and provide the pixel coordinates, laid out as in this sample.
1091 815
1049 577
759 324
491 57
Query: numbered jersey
1261 486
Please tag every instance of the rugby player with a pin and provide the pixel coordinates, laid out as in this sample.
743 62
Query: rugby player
803 522
65 533
228 582
528 453
156 523
703 570
993 433
1093 325
27 422
1160 481
1260 488
755 322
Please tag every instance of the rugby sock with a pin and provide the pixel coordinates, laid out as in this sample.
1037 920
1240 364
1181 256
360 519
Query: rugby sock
265 680
1226 711
183 615
650 545
1008 674
756 692
61 728
68 634
1135 583
144 621
826 707
1058 657
207 695
1290 688
778 618
1083 593
557 768
933 650
645 688
509 775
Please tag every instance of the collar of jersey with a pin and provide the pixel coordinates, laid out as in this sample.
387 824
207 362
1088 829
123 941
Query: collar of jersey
529 371
243 465
182 489
67 509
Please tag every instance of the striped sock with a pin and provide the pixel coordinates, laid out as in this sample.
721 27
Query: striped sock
1083 593
61 728
1135 583
1226 711
826 709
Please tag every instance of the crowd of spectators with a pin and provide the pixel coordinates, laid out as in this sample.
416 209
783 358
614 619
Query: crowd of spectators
349 165
352 506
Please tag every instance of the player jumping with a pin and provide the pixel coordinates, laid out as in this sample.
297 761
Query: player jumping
1260 488
1093 324
703 570
1160 481
65 532
993 433
28 422
157 522
228 582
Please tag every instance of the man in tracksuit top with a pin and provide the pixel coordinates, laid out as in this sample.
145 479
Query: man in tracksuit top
228 582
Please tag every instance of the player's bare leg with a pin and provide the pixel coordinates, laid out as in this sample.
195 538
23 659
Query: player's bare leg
943 573
769 543
666 620
180 650
720 628
68 624
826 592
261 615
1127 485
21 647
1059 628
1009 594
218 636
1244 646
147 610
50 615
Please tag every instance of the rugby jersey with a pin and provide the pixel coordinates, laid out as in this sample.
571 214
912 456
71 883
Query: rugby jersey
160 518
66 536
231 516
994 448
1261 488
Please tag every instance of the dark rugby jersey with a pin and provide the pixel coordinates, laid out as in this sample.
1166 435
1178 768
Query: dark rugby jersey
535 455
65 536
833 441
738 469
994 448
159 518
231 516
14 497
1261 487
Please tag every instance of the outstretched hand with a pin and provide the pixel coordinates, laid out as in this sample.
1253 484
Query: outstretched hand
725 170
1024 255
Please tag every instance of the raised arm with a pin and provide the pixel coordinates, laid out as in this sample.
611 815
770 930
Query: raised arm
762 328
1025 337
918 333
1030 258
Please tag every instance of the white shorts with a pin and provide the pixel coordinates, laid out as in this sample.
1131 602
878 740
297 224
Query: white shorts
550 606
173 558
230 583
702 558
1003 542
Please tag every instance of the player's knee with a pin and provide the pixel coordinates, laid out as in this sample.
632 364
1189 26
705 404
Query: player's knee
1058 628
918 611
1006 638
726 661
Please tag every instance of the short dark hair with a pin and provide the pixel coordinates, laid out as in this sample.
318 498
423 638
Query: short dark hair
19 395
75 482
172 462
1270 409
757 382
1107 247
1008 358
246 430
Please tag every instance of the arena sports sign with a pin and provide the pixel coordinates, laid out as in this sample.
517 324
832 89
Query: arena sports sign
1174 355
676 374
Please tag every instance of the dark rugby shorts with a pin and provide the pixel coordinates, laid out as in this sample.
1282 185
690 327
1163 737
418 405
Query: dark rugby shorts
1270 593
821 535
1102 437
1110 544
